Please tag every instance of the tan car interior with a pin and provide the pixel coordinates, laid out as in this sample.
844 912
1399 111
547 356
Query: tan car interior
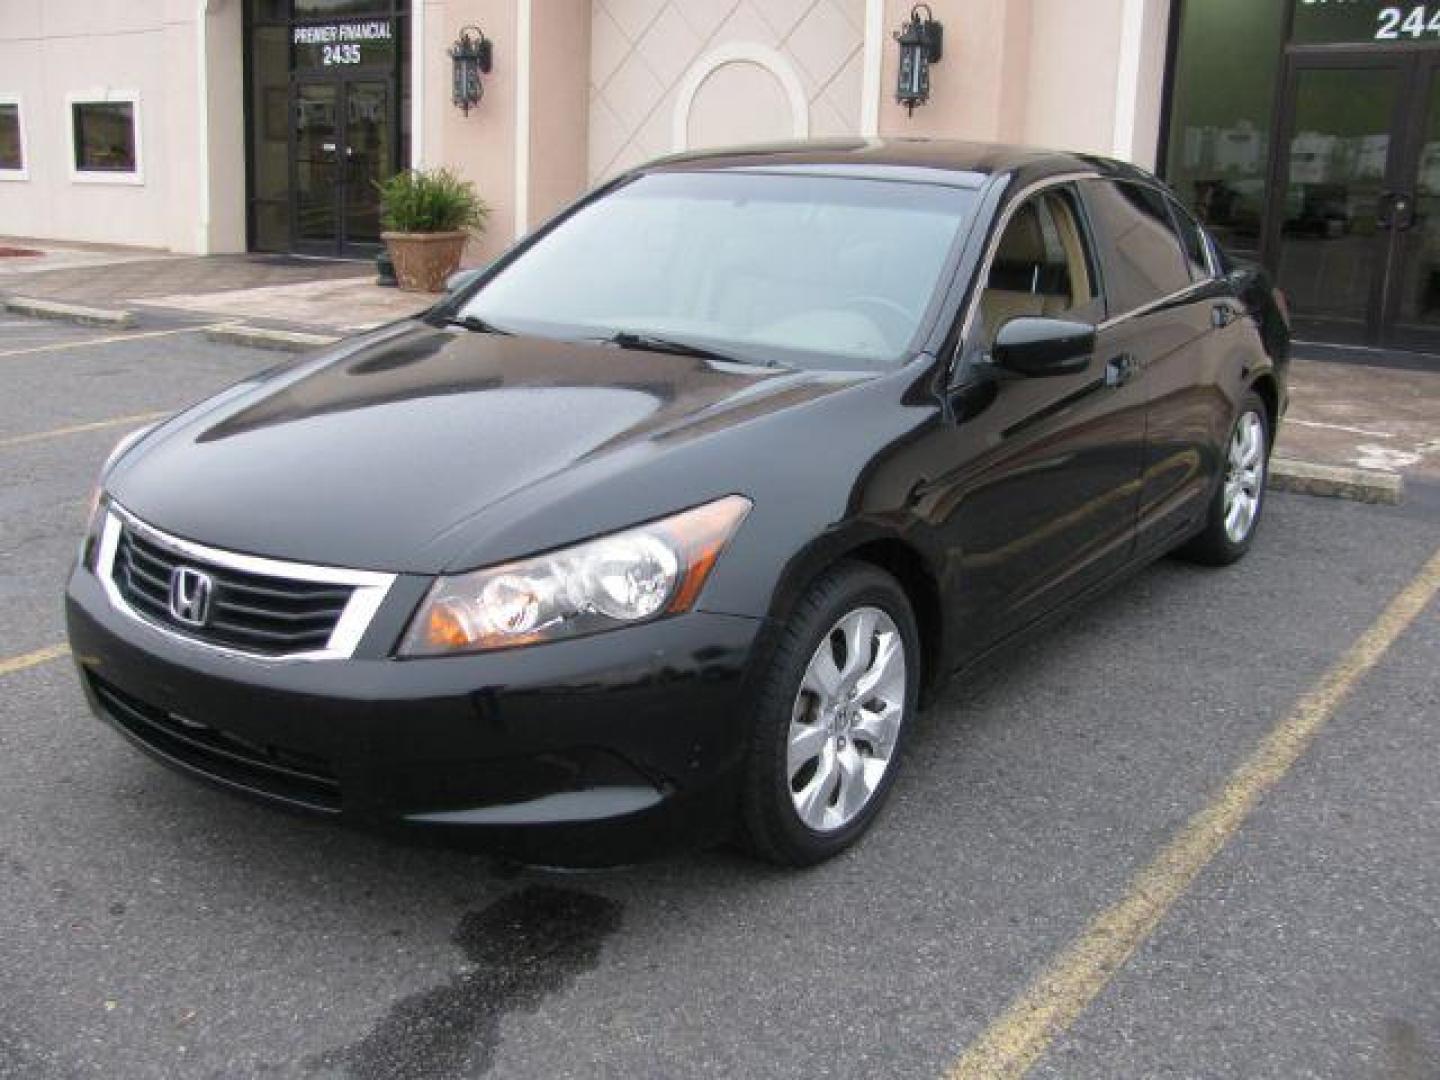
1040 267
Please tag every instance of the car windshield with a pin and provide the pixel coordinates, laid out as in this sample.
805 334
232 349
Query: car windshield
808 271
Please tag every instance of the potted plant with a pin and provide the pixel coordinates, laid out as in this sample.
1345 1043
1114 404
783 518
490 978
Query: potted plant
428 214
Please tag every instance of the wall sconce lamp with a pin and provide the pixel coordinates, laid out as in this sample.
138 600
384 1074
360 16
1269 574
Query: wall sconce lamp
922 42
471 55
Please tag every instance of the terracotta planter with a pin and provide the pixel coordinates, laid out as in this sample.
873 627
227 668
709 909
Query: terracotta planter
424 260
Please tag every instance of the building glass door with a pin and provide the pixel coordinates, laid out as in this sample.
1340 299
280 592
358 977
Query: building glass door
315 167
1413 318
327 114
1352 226
343 146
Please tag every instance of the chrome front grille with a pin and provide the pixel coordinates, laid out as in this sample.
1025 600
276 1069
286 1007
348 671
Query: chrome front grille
261 607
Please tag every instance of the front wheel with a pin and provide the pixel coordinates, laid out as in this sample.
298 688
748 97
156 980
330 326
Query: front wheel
831 717
1235 509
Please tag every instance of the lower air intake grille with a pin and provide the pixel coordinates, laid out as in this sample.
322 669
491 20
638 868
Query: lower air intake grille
291 775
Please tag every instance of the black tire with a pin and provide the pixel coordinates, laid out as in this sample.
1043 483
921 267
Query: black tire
1213 545
771 826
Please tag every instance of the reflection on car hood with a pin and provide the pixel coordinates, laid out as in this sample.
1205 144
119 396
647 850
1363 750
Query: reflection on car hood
366 457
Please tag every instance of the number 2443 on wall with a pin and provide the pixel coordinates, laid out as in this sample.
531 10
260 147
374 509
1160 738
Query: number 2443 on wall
1393 23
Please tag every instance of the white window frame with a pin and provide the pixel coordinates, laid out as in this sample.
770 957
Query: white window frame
105 176
22 173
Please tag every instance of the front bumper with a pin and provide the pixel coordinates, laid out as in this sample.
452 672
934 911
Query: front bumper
638 729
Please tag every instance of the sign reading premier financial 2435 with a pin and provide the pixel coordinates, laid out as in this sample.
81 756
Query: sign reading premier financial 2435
371 41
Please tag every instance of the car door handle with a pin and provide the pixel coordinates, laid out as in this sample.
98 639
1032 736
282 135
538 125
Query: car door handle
1121 369
1222 315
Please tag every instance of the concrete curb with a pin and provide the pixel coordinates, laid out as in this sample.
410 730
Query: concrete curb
260 337
1337 481
75 313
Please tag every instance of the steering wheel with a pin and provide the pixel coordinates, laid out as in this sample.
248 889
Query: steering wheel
894 321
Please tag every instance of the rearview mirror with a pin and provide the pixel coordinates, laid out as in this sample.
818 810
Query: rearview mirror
1043 347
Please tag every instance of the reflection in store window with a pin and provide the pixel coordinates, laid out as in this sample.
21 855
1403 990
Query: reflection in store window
1223 99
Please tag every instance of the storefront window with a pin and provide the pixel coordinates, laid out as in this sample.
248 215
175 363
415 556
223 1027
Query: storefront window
12 155
104 136
270 136
1223 100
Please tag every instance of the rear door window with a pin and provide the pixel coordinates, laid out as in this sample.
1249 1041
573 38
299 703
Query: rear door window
1192 239
1143 257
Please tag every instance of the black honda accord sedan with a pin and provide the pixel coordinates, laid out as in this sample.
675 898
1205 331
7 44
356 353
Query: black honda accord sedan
666 524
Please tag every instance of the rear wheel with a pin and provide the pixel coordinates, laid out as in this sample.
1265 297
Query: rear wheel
1235 509
831 717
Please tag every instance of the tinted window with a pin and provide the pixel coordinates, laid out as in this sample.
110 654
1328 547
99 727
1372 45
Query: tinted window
1142 255
1193 240
1043 266
104 136
10 153
1227 59
833 272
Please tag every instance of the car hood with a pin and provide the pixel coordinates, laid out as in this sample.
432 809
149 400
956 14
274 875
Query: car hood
375 456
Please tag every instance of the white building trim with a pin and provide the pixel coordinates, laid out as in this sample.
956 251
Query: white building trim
417 84
523 34
738 52
1127 78
22 173
874 58
202 110
135 176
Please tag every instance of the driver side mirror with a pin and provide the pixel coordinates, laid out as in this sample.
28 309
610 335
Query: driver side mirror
1038 347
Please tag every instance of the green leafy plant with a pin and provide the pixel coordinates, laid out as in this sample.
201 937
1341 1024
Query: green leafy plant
431 201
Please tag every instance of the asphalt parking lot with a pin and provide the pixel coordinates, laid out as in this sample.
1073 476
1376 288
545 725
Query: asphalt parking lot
151 927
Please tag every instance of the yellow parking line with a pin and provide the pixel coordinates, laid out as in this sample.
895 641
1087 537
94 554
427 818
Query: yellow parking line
1060 993
30 659
78 429
111 339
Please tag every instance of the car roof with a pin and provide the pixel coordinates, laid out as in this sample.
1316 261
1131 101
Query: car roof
952 163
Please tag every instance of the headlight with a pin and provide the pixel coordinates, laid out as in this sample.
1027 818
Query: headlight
97 506
617 580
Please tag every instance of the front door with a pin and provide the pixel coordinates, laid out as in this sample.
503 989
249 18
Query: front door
1354 234
342 147
1043 501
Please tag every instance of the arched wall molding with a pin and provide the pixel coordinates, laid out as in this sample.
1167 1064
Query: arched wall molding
738 52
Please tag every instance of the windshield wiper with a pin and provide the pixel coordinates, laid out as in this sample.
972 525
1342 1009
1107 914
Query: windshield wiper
477 325
630 339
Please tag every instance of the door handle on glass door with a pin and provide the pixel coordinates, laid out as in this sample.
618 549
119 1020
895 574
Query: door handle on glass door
1395 210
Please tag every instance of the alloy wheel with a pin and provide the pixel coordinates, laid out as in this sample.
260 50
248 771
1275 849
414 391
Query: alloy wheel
1244 477
845 723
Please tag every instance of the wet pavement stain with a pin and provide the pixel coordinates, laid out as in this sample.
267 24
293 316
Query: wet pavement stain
521 949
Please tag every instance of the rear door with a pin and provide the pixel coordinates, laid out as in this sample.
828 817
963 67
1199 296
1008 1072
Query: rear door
1162 315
